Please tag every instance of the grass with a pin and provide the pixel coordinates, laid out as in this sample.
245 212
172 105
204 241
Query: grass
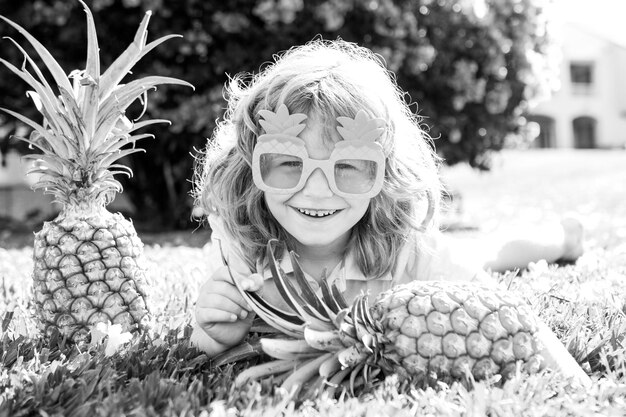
158 373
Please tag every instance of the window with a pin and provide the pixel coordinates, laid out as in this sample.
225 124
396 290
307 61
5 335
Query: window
581 75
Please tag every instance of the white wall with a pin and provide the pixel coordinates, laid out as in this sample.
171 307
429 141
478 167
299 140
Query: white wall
605 101
17 199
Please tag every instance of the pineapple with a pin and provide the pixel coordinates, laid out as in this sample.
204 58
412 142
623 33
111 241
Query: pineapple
419 331
88 262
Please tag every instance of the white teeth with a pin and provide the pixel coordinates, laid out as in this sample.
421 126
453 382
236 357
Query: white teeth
316 213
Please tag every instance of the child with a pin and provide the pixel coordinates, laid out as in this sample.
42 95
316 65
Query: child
320 151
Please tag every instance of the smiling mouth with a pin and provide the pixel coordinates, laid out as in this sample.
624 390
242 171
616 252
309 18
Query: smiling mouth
316 213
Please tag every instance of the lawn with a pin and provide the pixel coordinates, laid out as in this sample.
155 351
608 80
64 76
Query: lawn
158 373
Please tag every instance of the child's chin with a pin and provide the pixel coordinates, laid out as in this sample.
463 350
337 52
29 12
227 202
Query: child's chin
320 239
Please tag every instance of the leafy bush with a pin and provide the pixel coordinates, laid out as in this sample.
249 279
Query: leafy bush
469 68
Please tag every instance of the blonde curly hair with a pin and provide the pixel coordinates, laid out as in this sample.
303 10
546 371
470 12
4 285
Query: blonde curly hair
323 79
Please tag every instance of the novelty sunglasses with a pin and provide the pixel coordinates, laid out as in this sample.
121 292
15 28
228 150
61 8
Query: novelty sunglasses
355 168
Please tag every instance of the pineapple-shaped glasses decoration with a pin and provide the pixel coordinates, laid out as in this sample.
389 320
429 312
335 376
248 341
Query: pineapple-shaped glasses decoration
88 261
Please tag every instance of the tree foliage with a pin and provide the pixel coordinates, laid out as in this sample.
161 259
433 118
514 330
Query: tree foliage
469 67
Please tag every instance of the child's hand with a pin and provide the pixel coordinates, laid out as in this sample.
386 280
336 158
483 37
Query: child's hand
221 311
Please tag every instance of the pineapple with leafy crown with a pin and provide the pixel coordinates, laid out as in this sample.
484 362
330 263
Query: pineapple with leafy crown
421 330
88 262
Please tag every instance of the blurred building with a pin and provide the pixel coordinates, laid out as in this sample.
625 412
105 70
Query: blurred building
589 110
17 199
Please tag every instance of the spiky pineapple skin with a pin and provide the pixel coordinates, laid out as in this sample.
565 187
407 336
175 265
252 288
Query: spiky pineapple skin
89 267
450 329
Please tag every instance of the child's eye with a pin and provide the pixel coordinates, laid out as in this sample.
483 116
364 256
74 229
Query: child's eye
351 165
345 167
291 163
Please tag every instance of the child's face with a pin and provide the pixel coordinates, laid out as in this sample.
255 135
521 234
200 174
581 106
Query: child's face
315 216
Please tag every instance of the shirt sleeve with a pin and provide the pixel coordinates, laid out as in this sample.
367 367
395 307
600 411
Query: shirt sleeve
436 257
222 244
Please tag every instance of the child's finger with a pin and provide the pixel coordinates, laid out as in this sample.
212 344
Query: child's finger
218 288
226 275
222 274
252 283
220 302
208 316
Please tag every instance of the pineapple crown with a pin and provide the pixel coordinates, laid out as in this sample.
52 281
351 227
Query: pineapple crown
84 125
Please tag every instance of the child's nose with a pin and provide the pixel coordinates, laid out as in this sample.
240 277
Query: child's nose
317 185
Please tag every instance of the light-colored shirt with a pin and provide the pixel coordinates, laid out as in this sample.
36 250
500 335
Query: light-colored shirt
423 257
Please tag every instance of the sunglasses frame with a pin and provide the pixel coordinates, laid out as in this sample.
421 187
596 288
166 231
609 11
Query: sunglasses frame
294 146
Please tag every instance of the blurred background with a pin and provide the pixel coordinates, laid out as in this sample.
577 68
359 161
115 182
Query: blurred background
517 93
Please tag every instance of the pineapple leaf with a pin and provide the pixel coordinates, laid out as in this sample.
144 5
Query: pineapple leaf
327 296
55 144
92 69
292 318
321 321
242 351
32 63
305 372
330 367
330 313
120 169
338 297
76 119
121 68
341 315
124 96
49 104
104 127
50 162
72 131
290 294
133 53
53 66
307 314
117 142
362 330
308 294
368 319
122 65
277 275
108 159
144 123
34 145
285 323
92 66
282 321
353 376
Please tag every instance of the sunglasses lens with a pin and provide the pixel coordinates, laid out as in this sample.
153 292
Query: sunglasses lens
280 171
355 176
